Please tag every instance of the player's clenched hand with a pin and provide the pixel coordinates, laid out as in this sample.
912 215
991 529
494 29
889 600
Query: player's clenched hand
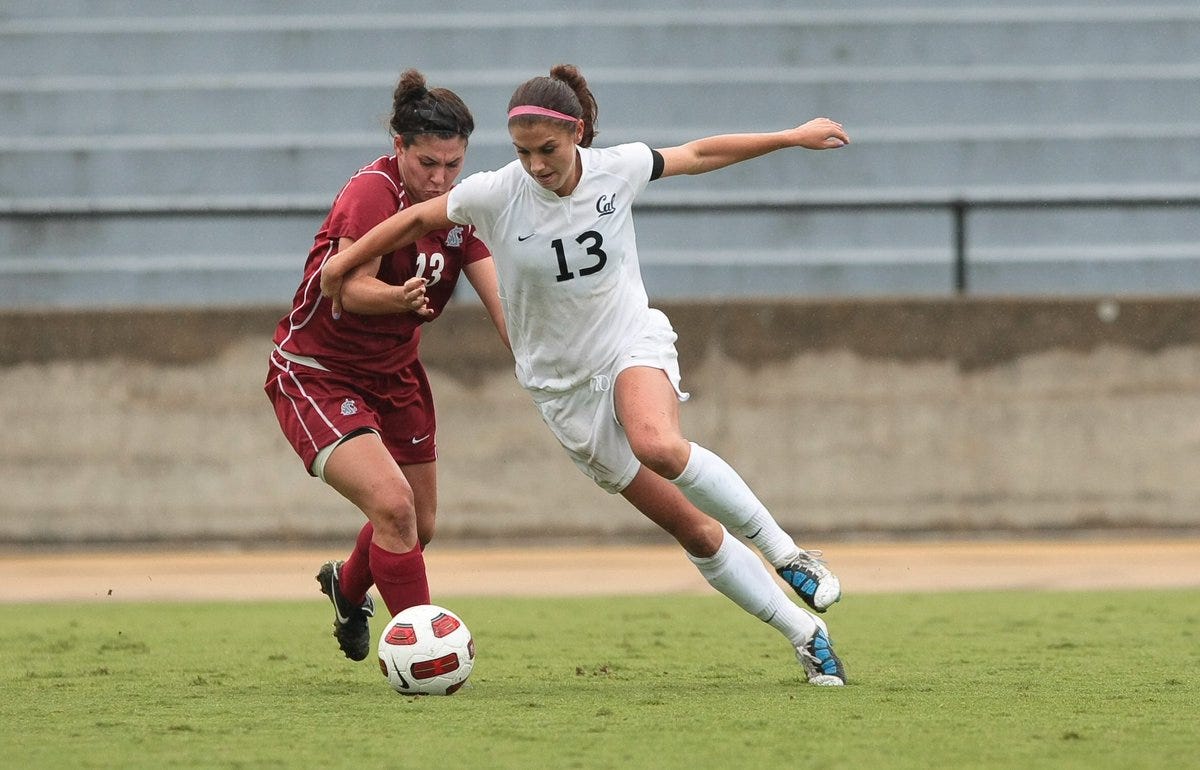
413 298
821 134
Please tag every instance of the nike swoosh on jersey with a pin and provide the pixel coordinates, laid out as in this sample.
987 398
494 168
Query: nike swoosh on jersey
419 440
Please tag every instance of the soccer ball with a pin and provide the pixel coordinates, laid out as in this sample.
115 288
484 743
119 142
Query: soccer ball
426 650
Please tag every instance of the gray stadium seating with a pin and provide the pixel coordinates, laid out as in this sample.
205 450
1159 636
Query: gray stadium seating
155 153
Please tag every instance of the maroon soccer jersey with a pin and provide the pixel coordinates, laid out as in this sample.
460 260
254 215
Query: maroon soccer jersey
373 345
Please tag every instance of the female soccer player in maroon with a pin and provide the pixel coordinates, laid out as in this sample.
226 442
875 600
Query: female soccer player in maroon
351 395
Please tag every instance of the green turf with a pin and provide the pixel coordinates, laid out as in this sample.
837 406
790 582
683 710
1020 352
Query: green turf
1087 680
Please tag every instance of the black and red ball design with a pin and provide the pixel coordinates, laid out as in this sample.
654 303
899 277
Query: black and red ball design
426 650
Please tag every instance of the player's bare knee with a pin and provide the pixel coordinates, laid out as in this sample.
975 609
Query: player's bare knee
395 536
394 519
666 457
392 505
701 537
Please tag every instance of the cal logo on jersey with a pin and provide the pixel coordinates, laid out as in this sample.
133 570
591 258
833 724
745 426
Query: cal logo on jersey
454 238
606 204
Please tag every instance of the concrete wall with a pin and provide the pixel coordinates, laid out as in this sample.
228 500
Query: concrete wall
846 417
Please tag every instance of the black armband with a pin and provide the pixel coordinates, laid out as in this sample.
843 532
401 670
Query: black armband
656 164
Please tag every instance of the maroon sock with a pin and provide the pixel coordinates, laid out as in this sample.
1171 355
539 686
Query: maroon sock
356 572
400 578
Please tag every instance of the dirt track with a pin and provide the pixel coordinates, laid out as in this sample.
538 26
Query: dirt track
863 568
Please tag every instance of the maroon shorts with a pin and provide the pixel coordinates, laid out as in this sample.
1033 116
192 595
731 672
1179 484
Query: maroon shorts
317 408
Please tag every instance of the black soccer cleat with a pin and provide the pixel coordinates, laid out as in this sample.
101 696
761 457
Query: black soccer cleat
350 625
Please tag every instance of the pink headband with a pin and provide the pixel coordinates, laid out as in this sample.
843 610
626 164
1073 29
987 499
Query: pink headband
529 109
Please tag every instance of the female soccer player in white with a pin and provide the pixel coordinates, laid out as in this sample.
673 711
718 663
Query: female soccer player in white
600 363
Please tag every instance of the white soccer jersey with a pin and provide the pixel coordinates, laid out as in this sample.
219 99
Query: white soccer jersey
568 270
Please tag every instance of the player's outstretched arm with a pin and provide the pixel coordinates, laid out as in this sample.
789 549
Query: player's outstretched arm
714 152
401 229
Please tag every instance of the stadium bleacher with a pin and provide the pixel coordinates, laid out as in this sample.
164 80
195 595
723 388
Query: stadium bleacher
161 154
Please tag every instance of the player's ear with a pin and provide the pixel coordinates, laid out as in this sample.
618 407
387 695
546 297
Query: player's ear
578 131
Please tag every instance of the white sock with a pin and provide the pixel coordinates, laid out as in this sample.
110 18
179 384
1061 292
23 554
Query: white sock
766 534
794 622
735 571
714 487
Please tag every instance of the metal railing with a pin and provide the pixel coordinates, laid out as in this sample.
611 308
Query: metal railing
959 207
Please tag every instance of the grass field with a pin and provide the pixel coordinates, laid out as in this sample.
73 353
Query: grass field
1087 680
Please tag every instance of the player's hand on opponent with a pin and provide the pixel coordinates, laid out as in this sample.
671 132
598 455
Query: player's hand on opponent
412 297
821 134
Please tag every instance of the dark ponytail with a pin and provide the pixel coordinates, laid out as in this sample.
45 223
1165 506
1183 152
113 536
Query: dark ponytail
419 110
564 91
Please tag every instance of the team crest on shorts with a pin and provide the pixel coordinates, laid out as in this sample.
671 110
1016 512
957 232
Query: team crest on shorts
349 407
454 237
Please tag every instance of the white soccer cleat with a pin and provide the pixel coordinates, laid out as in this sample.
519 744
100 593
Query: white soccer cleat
811 580
820 662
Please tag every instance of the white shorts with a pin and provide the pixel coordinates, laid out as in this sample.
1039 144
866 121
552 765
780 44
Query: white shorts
584 420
